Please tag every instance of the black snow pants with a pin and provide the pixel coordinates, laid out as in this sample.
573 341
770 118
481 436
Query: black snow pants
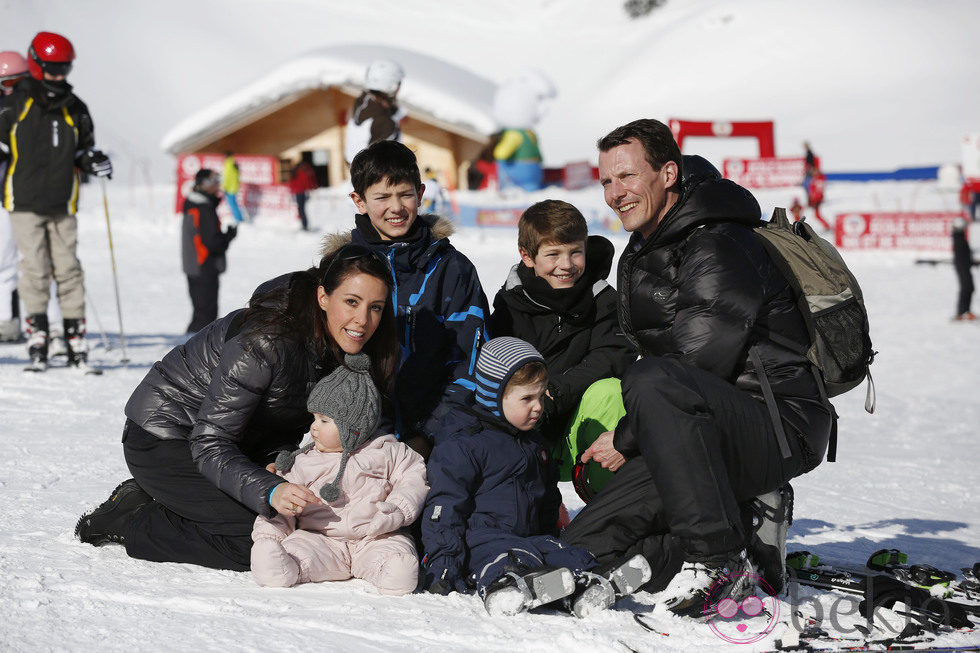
705 447
203 289
189 519
966 288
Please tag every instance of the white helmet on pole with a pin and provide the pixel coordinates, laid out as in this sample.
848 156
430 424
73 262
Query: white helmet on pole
383 75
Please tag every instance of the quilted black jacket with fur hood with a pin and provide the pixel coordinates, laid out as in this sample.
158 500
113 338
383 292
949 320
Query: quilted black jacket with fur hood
237 400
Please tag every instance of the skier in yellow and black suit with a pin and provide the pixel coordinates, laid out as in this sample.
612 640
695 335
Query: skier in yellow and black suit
45 136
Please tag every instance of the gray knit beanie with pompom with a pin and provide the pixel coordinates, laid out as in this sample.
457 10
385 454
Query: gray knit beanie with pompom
349 397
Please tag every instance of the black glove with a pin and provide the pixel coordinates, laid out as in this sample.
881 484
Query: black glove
96 164
441 577
231 232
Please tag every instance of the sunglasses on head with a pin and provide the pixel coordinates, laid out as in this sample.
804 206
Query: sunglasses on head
355 252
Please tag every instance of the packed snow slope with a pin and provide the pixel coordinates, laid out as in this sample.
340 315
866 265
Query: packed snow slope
873 85
906 476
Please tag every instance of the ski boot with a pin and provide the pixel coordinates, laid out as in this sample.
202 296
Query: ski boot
57 346
37 342
700 586
77 347
513 593
10 330
767 519
107 523
599 590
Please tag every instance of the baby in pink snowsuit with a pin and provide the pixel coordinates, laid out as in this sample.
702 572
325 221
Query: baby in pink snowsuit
378 486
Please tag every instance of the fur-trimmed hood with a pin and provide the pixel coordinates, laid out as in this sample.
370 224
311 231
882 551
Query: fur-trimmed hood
440 227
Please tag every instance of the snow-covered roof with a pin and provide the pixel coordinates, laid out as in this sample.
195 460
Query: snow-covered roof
433 90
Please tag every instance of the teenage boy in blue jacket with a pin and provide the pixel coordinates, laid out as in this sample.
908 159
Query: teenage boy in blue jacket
491 514
440 306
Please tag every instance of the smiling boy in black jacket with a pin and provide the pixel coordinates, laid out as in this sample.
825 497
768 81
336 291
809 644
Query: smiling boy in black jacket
557 298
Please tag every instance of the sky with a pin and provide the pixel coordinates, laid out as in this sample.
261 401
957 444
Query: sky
873 85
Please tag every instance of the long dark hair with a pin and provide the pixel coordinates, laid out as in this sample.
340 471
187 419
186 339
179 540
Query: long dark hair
292 311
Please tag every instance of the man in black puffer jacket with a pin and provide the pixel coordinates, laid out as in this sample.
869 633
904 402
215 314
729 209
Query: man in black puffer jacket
696 292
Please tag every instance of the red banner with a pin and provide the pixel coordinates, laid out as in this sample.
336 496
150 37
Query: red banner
765 173
260 194
898 230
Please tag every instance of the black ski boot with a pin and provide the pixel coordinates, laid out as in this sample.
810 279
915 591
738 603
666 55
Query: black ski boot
513 593
699 586
107 523
601 588
767 518
75 338
37 341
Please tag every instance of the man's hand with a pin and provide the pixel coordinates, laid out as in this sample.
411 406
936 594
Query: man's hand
603 452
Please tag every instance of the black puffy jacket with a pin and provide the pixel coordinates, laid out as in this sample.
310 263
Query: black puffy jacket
581 342
702 289
237 400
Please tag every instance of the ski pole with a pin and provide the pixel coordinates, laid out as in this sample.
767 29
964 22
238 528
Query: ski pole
115 279
98 322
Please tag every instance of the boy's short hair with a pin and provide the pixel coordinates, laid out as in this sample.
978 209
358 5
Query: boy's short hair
533 372
384 160
550 221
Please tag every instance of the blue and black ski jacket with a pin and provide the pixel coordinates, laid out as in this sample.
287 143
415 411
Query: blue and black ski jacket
440 308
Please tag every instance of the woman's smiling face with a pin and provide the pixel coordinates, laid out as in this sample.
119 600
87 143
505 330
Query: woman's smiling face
354 310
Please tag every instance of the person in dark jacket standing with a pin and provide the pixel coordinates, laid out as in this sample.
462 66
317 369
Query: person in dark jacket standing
203 246
963 262
697 293
557 298
205 425
439 303
46 135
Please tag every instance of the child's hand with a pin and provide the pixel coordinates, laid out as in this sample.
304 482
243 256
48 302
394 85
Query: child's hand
289 499
388 518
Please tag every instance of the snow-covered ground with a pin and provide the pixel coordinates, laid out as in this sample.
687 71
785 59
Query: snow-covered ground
903 478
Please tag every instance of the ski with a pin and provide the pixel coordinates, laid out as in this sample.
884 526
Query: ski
937 582
881 589
85 368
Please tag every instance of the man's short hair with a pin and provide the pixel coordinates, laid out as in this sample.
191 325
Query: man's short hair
533 372
655 137
384 160
550 221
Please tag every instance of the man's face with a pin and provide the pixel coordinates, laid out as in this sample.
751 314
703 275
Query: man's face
633 189
392 209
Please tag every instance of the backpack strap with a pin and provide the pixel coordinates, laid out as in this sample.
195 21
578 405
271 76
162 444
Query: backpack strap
777 421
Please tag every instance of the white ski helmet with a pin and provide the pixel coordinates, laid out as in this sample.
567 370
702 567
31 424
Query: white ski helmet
383 75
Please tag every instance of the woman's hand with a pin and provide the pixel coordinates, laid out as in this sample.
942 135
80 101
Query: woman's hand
603 452
271 467
289 499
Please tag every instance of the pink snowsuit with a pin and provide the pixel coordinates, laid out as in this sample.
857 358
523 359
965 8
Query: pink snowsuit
385 482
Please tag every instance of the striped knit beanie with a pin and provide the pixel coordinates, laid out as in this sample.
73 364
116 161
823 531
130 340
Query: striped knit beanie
498 360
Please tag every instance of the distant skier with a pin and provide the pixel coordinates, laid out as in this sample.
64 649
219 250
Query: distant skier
46 135
230 184
376 115
203 247
963 261
301 182
13 68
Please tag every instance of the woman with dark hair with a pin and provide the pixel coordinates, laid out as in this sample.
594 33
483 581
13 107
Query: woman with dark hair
206 423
